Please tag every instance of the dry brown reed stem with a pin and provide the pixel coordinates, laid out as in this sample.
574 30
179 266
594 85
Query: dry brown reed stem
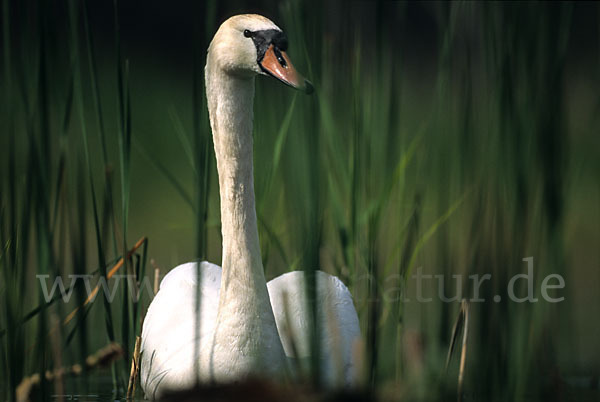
461 320
358 355
101 358
109 275
59 384
463 354
156 275
135 368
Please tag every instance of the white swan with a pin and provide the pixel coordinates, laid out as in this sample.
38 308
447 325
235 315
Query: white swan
243 328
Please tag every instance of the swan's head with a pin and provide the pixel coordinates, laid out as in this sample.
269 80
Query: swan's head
250 44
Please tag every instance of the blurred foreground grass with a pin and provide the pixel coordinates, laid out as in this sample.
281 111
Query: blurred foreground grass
460 161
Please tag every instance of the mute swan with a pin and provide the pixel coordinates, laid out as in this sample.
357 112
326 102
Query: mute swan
243 325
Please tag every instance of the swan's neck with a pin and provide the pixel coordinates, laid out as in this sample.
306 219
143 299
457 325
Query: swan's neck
245 321
231 118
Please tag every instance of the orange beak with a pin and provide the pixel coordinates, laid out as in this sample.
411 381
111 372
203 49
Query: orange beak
277 63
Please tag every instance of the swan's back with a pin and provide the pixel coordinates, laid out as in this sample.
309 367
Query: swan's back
337 323
169 331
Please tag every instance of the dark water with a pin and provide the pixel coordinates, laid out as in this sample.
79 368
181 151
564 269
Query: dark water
100 388
93 388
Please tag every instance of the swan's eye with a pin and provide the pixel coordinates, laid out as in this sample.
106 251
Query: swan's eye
280 58
247 33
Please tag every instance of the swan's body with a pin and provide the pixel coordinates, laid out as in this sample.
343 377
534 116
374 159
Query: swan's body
243 329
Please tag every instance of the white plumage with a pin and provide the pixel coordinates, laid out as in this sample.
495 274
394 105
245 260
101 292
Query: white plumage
246 327
169 331
337 323
167 360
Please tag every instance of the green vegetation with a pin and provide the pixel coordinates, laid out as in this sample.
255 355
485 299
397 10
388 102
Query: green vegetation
462 161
